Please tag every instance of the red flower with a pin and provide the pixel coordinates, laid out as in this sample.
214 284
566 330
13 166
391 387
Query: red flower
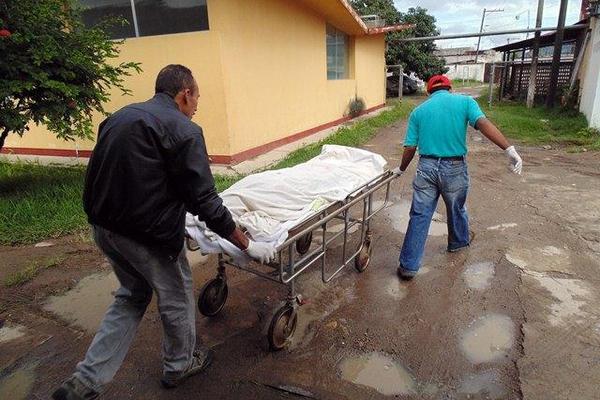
5 33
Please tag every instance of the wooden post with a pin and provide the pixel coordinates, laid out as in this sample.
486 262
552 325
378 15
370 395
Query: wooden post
556 56
534 56
492 76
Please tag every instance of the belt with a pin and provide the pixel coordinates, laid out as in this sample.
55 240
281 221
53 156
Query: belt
454 158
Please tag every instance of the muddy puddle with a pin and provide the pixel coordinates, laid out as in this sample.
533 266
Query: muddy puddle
380 372
398 213
17 385
479 275
320 304
85 304
570 296
396 289
11 332
488 338
485 385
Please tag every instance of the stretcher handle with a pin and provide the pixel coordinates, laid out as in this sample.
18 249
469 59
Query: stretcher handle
388 177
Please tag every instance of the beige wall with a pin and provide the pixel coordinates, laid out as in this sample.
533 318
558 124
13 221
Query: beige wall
275 68
590 77
262 73
200 51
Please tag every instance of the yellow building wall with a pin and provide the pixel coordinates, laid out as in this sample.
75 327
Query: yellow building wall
275 69
199 51
262 74
370 68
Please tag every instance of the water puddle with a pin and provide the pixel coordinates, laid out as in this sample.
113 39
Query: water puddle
552 251
502 227
479 276
570 295
11 332
540 259
379 372
318 308
85 304
399 215
396 289
424 270
485 384
17 385
488 338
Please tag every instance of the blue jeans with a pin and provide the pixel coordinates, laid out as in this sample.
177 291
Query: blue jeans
141 271
435 177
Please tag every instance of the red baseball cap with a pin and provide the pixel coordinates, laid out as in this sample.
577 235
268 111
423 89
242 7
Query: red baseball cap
438 81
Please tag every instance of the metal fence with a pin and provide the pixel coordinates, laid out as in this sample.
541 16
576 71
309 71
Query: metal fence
513 77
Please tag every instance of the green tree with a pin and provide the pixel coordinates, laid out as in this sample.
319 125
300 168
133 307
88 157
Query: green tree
415 57
53 70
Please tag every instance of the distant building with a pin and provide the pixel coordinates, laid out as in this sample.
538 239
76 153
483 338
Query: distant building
460 62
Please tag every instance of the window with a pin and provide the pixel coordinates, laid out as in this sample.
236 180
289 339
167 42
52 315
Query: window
337 54
95 11
147 17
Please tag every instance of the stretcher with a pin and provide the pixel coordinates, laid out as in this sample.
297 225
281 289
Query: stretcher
299 252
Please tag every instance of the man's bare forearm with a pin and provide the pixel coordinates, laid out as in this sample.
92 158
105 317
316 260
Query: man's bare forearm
407 156
490 131
239 239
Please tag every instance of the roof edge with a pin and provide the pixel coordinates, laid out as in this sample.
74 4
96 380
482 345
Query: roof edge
389 28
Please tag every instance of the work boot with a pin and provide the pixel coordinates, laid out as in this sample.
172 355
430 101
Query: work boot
406 274
471 237
201 360
74 389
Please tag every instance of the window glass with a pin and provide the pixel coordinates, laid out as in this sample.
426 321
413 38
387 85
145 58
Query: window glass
96 11
153 17
159 17
337 54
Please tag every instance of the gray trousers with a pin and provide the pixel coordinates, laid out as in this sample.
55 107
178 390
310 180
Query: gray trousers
141 271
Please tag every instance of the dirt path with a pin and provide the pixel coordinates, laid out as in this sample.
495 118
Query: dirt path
515 316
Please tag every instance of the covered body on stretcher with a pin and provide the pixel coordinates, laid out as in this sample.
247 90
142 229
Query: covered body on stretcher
268 204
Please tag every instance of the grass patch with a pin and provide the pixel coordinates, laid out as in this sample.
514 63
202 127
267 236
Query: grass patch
354 135
38 202
459 83
539 125
31 270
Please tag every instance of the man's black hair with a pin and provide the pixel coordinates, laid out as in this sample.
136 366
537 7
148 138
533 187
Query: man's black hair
172 79
435 89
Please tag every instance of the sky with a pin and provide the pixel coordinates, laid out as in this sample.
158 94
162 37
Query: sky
464 16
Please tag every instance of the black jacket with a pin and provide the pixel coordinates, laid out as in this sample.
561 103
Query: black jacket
148 168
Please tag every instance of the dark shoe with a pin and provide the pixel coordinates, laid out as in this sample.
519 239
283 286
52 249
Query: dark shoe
471 237
406 274
74 389
202 359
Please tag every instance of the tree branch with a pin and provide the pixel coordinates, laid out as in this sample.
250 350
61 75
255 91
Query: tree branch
3 137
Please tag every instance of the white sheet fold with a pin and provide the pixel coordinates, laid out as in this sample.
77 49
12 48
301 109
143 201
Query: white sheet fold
268 204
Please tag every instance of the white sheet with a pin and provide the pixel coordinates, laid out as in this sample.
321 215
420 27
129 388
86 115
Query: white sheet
269 203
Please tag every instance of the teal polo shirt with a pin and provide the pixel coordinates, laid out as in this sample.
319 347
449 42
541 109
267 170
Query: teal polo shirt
438 127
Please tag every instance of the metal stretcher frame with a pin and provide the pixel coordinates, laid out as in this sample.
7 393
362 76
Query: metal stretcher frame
287 267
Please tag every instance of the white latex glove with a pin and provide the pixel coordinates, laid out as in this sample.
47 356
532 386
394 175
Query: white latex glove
261 251
516 164
396 171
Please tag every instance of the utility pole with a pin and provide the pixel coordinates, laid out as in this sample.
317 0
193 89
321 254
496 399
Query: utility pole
558 41
534 55
485 11
518 17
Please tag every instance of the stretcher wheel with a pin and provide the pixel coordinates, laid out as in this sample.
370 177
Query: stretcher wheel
282 328
361 262
303 244
212 297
